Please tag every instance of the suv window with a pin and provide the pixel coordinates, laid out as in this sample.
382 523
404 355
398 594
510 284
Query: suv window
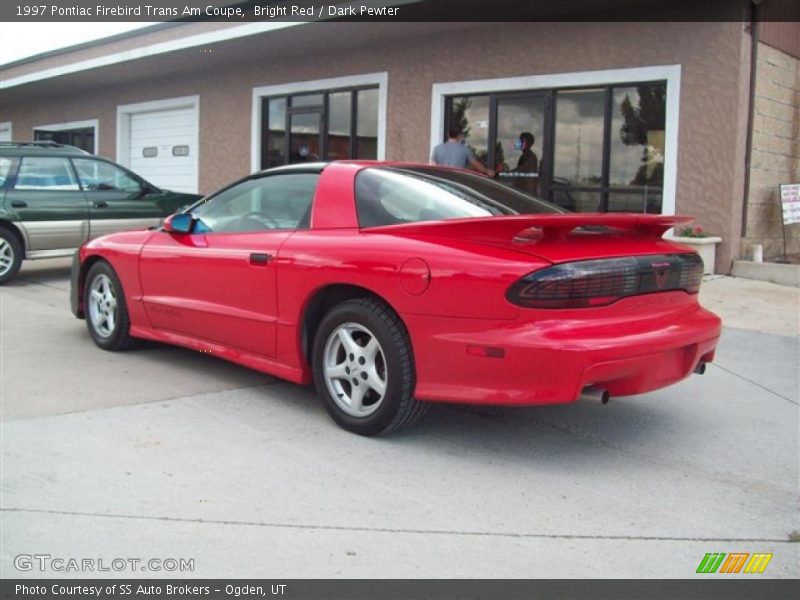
99 175
6 165
45 173
275 202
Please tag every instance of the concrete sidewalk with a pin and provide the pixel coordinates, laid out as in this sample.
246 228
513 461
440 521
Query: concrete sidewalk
754 305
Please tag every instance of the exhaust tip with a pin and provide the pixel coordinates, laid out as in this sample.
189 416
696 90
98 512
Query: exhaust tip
700 368
594 394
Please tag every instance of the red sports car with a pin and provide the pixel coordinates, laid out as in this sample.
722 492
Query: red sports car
393 285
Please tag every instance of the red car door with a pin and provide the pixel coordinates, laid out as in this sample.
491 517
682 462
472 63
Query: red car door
219 282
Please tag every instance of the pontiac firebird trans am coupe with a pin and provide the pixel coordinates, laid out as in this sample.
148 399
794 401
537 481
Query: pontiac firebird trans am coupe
392 285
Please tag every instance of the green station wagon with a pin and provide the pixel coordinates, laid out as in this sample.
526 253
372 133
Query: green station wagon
55 197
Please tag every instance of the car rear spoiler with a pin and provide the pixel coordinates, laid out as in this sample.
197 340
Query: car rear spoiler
548 226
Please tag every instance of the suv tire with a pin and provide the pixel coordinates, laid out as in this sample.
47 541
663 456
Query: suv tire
10 255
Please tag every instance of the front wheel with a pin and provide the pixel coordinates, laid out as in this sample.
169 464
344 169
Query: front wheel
10 255
106 311
364 368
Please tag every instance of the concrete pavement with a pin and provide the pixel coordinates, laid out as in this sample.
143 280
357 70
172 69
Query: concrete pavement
163 452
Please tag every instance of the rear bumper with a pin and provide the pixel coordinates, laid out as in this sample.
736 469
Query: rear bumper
635 346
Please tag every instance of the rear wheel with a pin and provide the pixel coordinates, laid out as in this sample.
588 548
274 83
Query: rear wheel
10 255
106 311
364 368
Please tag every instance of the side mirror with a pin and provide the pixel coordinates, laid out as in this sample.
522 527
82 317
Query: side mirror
179 223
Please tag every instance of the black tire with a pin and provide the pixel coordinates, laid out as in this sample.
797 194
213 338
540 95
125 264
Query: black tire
10 255
392 368
108 325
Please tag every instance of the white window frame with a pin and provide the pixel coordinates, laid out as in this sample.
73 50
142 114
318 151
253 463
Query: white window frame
8 126
669 73
125 111
380 79
93 123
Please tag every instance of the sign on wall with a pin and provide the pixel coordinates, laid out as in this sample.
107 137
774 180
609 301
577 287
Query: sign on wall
790 202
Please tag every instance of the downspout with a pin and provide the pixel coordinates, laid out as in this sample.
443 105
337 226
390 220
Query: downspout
748 151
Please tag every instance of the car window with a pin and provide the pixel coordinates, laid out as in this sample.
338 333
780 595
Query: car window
45 173
99 175
276 202
6 165
390 196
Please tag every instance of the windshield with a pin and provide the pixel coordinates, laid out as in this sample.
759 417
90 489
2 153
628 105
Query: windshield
395 195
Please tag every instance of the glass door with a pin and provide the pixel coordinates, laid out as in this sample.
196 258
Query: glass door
521 141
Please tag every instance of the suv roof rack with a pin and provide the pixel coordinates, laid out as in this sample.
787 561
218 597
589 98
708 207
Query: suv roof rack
41 144
49 143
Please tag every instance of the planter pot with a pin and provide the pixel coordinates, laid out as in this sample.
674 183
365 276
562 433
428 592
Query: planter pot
706 247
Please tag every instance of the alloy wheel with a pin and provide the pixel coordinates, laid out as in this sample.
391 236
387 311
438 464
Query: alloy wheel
103 306
355 369
6 256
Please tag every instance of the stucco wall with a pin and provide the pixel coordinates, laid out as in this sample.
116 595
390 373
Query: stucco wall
713 58
776 151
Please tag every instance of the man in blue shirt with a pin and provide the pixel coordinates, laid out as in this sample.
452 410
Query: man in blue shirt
455 153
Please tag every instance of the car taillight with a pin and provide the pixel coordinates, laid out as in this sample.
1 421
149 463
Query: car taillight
601 282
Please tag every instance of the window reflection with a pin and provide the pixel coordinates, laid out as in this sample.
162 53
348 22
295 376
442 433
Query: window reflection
312 117
643 199
578 140
637 141
471 113
307 100
367 125
272 150
339 117
304 138
607 149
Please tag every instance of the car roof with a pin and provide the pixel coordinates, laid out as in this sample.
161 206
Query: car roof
305 167
318 167
39 148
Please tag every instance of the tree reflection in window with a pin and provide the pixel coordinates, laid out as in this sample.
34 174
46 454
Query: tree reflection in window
639 118
471 113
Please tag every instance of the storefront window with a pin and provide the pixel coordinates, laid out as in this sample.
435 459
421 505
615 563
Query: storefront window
644 199
272 151
637 148
367 127
471 113
307 100
598 149
578 140
82 137
333 125
340 107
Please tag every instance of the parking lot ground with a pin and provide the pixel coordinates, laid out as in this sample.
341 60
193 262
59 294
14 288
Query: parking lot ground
165 453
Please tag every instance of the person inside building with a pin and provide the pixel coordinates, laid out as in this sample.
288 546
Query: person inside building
528 165
455 153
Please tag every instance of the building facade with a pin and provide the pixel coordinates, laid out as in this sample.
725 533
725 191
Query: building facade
643 117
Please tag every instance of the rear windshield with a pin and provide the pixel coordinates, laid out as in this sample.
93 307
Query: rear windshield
396 195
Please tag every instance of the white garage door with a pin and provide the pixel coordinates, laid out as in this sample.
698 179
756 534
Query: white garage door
163 148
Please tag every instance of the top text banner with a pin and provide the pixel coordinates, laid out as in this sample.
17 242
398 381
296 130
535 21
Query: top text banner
237 11
198 10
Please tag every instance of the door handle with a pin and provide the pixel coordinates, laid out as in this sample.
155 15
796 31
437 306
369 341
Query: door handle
101 204
257 258
19 204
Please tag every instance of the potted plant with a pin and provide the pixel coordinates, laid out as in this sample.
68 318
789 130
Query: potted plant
705 245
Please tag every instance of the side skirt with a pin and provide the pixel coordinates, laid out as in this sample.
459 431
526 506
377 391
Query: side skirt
234 355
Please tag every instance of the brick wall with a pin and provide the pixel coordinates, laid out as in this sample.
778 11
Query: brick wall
776 151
